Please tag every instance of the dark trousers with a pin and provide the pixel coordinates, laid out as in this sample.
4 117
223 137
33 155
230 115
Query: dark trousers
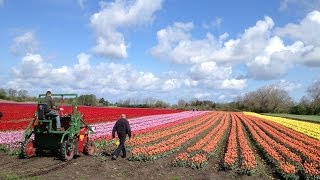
121 146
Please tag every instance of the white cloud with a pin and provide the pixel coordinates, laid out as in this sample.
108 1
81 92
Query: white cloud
24 43
260 47
306 31
170 85
234 84
188 82
202 95
34 71
306 48
116 15
209 70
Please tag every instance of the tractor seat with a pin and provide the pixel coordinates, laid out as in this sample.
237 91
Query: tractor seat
43 109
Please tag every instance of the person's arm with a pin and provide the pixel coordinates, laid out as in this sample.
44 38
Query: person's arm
114 131
128 128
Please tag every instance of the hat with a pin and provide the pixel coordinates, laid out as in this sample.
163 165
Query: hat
48 92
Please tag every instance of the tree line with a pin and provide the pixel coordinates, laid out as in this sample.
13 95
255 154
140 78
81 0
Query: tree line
267 99
271 99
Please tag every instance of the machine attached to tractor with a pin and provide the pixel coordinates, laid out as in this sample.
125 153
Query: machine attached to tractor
42 135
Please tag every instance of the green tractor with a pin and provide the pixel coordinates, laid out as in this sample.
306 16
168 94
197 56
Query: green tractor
42 135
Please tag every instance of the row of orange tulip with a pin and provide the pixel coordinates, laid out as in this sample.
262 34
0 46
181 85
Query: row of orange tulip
261 139
198 154
155 136
198 145
311 165
299 140
231 156
152 151
248 159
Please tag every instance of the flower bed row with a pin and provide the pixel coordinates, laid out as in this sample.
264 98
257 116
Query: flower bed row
247 158
169 145
18 116
197 155
231 156
103 130
283 149
284 167
163 133
308 128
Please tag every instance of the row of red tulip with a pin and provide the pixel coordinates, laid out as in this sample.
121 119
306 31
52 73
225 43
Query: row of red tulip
18 116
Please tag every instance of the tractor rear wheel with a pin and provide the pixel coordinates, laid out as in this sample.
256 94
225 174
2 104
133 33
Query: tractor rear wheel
89 148
67 151
28 149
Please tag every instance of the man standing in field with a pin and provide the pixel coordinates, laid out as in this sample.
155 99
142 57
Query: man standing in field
122 127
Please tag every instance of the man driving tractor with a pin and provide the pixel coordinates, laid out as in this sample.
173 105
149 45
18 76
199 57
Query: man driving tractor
53 110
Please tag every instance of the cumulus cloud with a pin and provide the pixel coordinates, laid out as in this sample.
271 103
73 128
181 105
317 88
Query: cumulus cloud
35 71
305 34
234 84
170 85
116 15
209 70
24 43
305 31
262 48
175 44
202 95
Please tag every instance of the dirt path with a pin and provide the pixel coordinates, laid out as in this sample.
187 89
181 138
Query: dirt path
101 167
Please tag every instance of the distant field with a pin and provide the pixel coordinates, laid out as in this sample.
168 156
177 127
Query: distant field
313 118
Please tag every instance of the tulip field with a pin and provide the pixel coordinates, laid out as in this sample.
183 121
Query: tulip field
243 142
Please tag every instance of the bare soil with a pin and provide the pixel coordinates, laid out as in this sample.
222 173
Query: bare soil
102 167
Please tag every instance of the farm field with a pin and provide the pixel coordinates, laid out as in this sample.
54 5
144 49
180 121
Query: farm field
183 144
313 118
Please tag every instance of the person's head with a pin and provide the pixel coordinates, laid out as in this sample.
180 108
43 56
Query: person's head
123 116
48 93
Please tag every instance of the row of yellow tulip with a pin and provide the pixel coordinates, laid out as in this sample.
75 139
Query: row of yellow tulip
307 128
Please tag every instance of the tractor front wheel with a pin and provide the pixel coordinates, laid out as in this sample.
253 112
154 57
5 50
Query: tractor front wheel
67 151
28 149
89 148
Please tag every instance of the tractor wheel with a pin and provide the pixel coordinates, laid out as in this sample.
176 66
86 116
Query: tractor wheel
67 151
89 148
28 149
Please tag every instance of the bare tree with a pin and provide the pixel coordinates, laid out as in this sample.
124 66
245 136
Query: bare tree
12 93
22 93
314 94
266 99
182 103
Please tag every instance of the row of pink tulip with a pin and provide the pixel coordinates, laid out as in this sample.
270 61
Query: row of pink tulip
103 130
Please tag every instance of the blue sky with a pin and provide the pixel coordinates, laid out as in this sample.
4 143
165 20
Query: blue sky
163 49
